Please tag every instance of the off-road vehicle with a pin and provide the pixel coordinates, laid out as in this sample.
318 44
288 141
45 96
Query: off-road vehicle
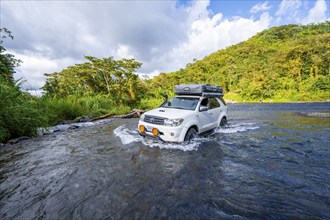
196 109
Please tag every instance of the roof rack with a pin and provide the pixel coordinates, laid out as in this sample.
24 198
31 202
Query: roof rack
199 90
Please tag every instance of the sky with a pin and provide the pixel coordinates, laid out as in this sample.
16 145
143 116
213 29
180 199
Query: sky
164 35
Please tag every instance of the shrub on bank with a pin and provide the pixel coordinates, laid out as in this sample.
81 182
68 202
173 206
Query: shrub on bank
20 114
70 107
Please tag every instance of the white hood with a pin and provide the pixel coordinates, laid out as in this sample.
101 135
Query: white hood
169 113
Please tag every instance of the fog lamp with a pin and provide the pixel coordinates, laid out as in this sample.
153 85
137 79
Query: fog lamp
142 129
155 132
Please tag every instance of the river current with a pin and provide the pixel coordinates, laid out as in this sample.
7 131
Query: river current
272 161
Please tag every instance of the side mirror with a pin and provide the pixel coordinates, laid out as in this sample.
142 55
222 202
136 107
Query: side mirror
165 97
203 109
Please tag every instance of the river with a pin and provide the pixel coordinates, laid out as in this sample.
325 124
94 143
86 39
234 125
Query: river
271 162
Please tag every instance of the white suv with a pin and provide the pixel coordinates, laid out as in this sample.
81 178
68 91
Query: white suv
183 117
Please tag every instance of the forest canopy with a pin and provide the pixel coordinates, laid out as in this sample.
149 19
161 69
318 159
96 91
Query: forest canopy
108 76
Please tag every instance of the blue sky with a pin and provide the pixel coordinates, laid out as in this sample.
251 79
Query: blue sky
163 35
237 8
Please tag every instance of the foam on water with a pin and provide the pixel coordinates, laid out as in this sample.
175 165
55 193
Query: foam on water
186 146
128 136
237 127
64 127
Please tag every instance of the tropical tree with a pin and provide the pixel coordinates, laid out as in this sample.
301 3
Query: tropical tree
8 62
108 76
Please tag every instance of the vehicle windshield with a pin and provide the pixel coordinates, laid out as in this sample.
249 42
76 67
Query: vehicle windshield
187 103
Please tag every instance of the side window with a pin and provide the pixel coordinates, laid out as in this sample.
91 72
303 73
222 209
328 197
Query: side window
214 103
204 102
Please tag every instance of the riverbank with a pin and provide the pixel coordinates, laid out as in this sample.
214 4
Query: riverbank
83 121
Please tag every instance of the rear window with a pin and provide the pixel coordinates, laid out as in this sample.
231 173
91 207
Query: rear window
214 103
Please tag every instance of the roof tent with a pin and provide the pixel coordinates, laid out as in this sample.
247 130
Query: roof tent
199 90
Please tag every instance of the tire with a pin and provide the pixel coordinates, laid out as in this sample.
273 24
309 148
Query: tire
191 133
223 122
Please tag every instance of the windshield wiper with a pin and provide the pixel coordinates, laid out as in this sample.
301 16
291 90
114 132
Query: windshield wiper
177 107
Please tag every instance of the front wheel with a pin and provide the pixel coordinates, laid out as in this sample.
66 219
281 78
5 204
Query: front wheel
223 122
191 133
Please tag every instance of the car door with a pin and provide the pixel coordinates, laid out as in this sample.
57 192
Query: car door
214 111
205 117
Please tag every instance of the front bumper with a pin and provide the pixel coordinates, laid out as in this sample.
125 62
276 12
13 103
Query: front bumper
166 133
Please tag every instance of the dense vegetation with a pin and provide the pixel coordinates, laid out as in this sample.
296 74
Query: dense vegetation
287 63
114 78
19 114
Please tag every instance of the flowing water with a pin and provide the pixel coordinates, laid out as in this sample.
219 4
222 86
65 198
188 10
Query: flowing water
271 162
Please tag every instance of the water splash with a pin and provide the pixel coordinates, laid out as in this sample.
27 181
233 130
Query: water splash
185 146
70 126
237 127
128 136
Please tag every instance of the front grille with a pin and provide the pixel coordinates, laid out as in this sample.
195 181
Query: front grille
154 120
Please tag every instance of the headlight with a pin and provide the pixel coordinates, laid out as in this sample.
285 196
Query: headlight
142 117
173 122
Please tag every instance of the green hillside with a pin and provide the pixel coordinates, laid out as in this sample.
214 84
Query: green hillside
286 63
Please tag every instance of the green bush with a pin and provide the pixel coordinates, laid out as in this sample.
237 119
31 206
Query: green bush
19 113
69 108
61 109
150 103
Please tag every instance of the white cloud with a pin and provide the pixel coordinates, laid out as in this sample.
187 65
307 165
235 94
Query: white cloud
260 7
289 10
123 51
294 11
51 35
211 34
34 66
289 7
317 13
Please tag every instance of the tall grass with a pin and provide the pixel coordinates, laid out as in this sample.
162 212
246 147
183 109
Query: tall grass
22 114
70 107
19 113
150 103
60 109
